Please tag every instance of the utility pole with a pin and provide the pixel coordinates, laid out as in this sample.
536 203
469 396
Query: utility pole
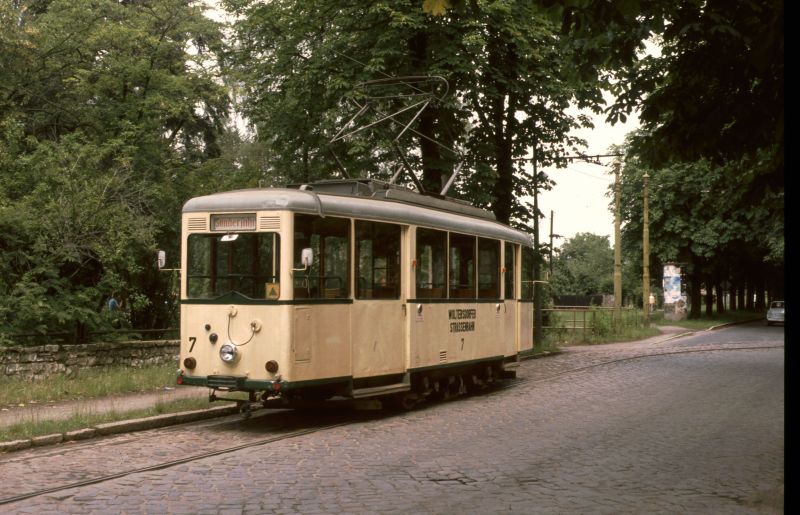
537 296
551 246
617 249
646 257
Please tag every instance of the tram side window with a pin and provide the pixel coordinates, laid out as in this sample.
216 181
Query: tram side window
431 264
488 269
462 266
245 263
329 239
510 270
377 261
527 273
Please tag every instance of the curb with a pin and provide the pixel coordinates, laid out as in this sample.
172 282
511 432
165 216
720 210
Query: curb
712 328
673 337
734 323
122 426
537 355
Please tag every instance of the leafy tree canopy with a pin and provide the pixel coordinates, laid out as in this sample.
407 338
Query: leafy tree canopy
584 265
106 108
714 91
510 78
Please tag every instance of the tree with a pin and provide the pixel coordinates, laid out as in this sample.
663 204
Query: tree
509 78
711 106
584 265
706 217
104 113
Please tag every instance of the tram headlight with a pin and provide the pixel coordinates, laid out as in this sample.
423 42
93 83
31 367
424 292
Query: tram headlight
229 353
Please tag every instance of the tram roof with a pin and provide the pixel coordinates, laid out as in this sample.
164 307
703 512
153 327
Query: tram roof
391 207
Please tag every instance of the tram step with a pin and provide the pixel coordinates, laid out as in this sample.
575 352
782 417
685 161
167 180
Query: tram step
360 393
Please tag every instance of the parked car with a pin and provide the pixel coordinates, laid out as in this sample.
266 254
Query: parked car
775 312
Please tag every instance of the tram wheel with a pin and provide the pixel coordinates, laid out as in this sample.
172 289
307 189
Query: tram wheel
405 401
474 385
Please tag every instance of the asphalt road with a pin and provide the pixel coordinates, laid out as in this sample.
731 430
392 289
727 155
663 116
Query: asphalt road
691 425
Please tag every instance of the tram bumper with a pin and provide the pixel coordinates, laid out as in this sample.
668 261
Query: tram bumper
233 383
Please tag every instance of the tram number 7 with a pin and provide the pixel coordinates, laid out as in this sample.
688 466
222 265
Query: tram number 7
193 340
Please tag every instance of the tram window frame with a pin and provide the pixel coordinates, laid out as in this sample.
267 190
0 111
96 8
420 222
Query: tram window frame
213 261
328 276
432 263
509 278
377 243
488 275
462 259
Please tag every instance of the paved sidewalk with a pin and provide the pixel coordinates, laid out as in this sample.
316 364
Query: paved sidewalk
118 403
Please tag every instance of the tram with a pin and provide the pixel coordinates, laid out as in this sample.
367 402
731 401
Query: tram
352 288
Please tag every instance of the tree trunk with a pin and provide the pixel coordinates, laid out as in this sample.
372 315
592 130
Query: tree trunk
504 187
742 293
434 168
720 298
759 286
709 296
434 173
504 108
695 295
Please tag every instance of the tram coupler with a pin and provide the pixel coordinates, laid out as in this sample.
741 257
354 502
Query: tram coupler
244 406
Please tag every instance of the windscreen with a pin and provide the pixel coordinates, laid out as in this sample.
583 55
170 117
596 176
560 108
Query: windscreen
245 263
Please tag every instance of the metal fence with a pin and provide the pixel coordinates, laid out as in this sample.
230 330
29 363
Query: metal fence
581 323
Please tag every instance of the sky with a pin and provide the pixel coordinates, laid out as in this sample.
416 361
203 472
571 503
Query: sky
579 199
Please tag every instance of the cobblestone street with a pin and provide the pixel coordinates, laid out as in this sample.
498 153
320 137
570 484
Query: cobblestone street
695 426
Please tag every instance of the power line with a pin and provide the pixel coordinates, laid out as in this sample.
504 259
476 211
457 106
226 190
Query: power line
593 158
604 179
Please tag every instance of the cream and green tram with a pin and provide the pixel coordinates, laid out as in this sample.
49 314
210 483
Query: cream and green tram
351 288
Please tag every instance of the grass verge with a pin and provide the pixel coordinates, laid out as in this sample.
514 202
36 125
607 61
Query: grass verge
36 427
594 326
567 328
90 384
86 384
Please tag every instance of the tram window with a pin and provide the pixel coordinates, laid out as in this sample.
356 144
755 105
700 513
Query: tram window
488 269
527 273
328 277
377 261
431 264
462 266
509 273
246 263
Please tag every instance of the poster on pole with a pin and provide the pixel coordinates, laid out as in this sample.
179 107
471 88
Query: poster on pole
672 284
674 301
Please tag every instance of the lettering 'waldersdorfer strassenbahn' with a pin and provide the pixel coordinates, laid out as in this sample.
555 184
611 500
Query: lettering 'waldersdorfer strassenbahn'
462 314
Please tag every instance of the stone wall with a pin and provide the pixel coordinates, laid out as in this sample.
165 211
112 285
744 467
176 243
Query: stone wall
40 361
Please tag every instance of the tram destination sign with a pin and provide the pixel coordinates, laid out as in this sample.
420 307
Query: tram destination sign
233 223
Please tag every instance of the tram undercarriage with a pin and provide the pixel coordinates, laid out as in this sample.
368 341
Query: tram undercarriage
415 388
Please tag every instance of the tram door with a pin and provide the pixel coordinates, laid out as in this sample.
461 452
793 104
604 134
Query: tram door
510 313
378 314
526 300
